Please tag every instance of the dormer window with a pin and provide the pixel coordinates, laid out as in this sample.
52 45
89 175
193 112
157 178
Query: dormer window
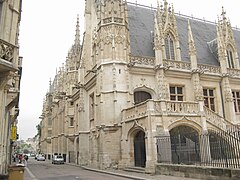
230 58
169 48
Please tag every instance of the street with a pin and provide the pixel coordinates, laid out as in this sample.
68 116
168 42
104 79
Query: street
44 170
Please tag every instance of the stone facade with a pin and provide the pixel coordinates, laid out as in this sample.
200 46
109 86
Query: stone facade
140 73
10 75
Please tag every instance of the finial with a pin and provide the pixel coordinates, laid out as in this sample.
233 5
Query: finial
172 9
223 13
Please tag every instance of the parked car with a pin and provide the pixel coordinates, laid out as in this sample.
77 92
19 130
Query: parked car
40 157
57 159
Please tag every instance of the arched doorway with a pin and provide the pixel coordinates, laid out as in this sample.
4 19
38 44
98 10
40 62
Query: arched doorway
185 145
139 149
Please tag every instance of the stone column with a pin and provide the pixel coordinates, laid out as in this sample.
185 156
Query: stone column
205 153
151 152
163 142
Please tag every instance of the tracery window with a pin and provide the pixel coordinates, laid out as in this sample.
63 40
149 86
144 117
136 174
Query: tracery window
141 96
176 93
230 57
236 100
209 98
169 47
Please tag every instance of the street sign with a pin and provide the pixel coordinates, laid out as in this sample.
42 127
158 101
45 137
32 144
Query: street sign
14 133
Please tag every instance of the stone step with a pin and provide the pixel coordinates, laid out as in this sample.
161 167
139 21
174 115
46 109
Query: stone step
135 169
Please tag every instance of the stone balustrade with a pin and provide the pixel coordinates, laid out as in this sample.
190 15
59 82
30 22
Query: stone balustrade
234 73
161 107
182 107
6 51
181 65
216 120
147 61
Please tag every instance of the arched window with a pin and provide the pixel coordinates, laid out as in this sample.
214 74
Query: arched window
230 57
141 96
169 47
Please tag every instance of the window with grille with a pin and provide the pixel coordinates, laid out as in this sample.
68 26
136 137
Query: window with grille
209 99
176 93
141 96
236 100
169 47
230 58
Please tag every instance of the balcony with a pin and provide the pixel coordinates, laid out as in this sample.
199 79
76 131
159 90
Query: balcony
8 54
170 108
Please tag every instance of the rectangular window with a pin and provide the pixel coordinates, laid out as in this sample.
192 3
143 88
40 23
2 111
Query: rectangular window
209 99
236 100
176 93
71 121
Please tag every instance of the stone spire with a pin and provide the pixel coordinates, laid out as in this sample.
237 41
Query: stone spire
192 48
77 35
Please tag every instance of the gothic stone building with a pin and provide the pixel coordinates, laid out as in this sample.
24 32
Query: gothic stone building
140 74
10 75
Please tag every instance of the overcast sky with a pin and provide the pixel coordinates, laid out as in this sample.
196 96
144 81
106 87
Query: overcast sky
47 32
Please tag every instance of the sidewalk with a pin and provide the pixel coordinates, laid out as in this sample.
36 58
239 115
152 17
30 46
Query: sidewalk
133 175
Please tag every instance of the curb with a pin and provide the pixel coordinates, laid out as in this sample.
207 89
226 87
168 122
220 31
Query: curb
108 172
112 173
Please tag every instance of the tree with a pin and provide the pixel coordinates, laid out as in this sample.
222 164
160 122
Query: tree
38 131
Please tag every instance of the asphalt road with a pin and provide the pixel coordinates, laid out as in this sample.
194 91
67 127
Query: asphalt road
44 170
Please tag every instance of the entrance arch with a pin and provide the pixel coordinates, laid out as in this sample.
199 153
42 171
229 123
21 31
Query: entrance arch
139 149
185 145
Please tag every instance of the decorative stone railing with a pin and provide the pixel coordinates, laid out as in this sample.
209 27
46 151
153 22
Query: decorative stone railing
161 107
147 61
216 120
182 65
209 69
6 51
234 73
182 107
136 111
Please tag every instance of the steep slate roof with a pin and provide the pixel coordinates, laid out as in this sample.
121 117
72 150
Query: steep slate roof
141 28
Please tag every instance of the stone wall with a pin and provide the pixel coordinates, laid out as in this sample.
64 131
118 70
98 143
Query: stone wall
200 172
